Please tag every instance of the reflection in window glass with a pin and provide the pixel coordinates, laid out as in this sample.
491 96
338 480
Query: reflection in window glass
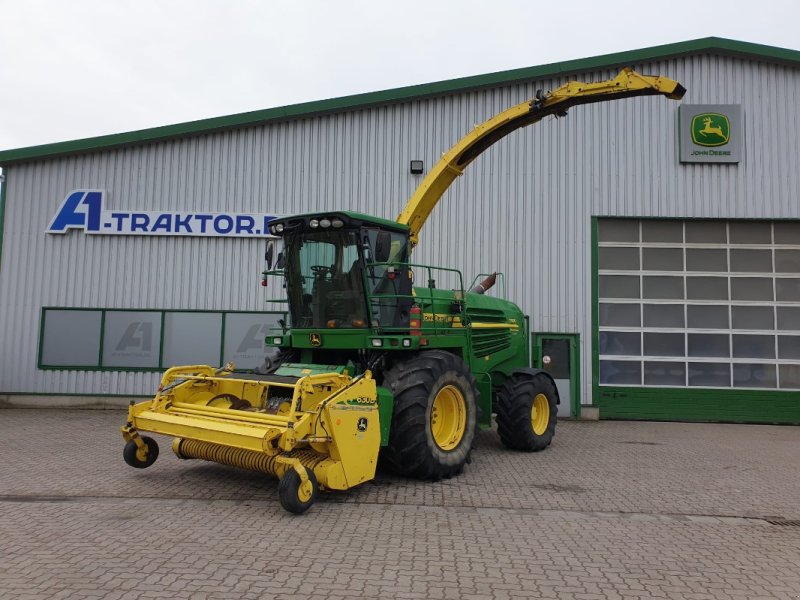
192 338
707 260
710 374
754 376
753 317
753 346
707 288
750 232
619 286
789 346
558 351
662 231
714 345
662 259
707 316
665 373
790 376
618 230
787 261
619 259
657 287
788 318
787 232
787 290
664 344
620 342
751 261
71 338
619 315
730 276
751 288
663 315
621 372
244 337
706 232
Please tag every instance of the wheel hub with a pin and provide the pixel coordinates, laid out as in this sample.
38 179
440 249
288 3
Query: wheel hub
448 418
540 414
304 491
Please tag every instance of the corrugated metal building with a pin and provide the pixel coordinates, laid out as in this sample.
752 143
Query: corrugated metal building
657 287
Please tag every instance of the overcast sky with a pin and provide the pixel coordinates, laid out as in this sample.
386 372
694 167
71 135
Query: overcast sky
81 68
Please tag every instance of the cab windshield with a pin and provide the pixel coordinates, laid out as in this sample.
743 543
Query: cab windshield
324 279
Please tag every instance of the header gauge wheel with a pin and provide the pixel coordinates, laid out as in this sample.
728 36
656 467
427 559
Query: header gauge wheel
140 459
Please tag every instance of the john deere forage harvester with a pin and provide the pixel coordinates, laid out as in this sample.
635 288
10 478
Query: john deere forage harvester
371 365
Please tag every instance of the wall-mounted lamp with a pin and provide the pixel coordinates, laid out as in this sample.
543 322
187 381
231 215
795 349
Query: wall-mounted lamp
417 167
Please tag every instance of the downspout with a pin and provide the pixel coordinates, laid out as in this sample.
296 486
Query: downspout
3 185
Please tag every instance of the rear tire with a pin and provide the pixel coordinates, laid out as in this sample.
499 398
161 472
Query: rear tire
434 417
527 412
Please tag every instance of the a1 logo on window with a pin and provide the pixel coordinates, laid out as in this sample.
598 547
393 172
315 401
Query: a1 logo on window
138 337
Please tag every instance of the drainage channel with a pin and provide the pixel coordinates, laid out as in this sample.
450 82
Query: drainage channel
696 518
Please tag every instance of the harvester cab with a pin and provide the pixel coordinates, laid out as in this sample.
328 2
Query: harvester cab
369 363
334 263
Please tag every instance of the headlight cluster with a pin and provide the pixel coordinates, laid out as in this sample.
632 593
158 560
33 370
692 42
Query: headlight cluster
326 222
276 229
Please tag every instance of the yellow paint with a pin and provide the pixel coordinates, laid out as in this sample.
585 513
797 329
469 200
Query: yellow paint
448 417
452 164
330 416
540 414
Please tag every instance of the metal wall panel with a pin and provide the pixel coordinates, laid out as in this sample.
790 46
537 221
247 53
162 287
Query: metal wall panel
523 208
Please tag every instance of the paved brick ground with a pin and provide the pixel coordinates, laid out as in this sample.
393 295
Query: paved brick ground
611 511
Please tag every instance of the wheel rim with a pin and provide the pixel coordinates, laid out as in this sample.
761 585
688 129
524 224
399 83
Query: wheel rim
143 453
304 491
540 414
448 417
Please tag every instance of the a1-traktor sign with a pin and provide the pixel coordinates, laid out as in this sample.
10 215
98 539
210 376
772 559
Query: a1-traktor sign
711 133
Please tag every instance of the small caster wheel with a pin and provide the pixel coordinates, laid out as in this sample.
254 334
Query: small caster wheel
295 496
141 459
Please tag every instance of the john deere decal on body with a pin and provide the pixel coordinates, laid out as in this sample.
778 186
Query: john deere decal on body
710 129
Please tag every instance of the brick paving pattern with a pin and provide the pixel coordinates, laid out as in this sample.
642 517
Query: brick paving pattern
612 510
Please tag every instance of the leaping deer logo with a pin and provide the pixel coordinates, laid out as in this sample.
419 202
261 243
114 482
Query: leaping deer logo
710 129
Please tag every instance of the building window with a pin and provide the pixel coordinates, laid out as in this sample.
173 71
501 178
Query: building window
114 339
710 304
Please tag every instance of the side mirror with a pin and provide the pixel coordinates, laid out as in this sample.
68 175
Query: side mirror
383 246
281 262
268 254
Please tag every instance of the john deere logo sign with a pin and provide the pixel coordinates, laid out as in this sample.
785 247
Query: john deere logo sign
710 129
711 133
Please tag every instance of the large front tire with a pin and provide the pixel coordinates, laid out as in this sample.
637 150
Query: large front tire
434 418
527 412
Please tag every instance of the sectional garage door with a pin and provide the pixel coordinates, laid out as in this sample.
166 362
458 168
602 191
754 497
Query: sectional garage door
698 319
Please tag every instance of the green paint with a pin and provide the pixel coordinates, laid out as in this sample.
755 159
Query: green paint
385 409
710 129
682 404
574 365
304 370
3 185
595 312
709 45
